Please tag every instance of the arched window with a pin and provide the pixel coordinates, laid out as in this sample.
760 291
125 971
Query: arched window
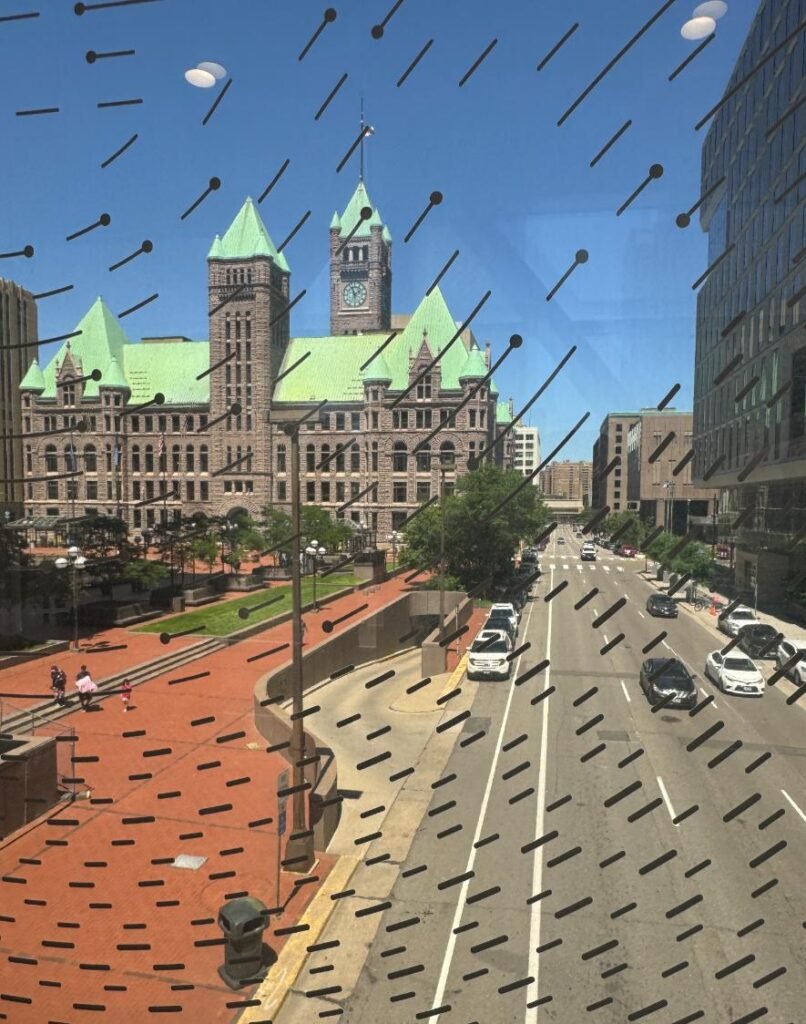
447 454
204 459
310 459
70 458
176 464
229 276
248 326
249 458
29 459
399 457
249 276
135 458
424 460
339 460
189 459
365 253
325 456
355 459
51 459
227 328
237 326
90 459
345 255
281 458
149 458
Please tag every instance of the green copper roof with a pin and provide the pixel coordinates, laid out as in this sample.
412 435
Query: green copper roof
385 234
333 368
34 379
169 367
113 376
503 413
335 221
352 214
475 367
246 237
100 338
378 370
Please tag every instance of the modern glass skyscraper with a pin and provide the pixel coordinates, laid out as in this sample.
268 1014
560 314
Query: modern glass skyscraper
750 369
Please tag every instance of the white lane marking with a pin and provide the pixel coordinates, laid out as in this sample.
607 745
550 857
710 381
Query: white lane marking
620 568
565 565
705 693
595 614
789 798
626 692
460 905
604 637
606 568
642 615
537 865
666 799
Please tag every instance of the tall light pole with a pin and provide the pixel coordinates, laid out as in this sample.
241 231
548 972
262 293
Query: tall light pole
299 846
77 562
314 551
446 461
669 506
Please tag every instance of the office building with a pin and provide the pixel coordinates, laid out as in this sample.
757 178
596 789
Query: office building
526 444
657 446
750 363
568 480
609 468
18 334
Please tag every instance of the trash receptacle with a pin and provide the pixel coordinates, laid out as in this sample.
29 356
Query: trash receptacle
243 922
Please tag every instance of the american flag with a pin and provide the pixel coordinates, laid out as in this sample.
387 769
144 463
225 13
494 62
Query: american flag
161 451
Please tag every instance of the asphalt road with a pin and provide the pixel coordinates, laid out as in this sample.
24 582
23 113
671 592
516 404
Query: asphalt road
581 856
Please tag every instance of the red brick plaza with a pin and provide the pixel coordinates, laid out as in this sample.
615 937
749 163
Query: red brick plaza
94 916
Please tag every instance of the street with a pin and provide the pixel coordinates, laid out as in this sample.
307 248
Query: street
577 852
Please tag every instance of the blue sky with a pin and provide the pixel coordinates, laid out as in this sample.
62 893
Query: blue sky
519 196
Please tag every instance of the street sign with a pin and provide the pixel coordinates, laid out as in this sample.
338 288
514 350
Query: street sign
282 783
281 820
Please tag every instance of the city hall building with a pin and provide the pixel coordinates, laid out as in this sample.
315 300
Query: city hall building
176 427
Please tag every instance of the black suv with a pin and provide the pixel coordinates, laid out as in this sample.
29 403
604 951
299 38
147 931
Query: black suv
503 624
759 640
662 605
663 676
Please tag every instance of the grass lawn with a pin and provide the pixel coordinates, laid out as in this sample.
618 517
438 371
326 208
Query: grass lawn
222 619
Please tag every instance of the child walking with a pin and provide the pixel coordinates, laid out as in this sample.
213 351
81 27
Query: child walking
58 682
126 693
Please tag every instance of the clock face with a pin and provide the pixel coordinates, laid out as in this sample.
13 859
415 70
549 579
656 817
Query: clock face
355 294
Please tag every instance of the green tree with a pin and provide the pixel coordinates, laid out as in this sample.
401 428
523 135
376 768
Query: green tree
317 524
143 573
634 530
204 549
276 529
477 550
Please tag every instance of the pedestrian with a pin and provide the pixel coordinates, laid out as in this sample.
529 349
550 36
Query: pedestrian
86 687
126 693
58 682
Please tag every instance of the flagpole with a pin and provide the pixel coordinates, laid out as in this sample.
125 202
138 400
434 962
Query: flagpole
361 175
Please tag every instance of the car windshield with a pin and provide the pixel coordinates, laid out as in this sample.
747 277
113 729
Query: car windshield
672 676
744 614
739 665
487 647
498 622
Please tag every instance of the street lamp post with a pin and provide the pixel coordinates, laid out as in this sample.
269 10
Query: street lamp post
446 461
669 506
77 562
314 551
299 846
394 539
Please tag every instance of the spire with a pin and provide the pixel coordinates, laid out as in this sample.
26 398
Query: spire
34 379
363 133
246 237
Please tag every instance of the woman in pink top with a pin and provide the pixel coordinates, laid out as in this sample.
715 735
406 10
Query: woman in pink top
86 687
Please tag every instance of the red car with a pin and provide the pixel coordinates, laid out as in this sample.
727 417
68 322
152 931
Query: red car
627 551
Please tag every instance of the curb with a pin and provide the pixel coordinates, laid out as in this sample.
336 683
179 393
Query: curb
273 990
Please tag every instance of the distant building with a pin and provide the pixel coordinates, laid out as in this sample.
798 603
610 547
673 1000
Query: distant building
526 450
609 488
18 334
750 362
215 446
664 494
568 480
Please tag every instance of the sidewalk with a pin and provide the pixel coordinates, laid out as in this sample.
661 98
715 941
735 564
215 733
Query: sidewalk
90 893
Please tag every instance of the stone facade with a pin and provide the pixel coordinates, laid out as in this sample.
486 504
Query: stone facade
214 444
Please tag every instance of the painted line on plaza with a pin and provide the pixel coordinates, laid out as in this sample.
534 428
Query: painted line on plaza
626 692
537 868
791 801
666 800
460 905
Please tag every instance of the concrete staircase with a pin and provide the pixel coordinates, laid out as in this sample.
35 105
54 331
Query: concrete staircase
30 719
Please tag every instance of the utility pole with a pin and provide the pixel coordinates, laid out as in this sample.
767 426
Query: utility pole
299 846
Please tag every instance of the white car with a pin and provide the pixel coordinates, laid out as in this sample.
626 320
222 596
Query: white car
735 673
508 610
787 649
487 658
739 617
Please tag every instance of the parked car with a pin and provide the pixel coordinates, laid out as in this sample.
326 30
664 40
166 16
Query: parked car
487 658
662 606
627 550
502 623
739 617
734 673
759 640
508 610
529 557
660 677
561 540
787 649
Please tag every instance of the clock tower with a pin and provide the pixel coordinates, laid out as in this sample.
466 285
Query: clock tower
360 268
